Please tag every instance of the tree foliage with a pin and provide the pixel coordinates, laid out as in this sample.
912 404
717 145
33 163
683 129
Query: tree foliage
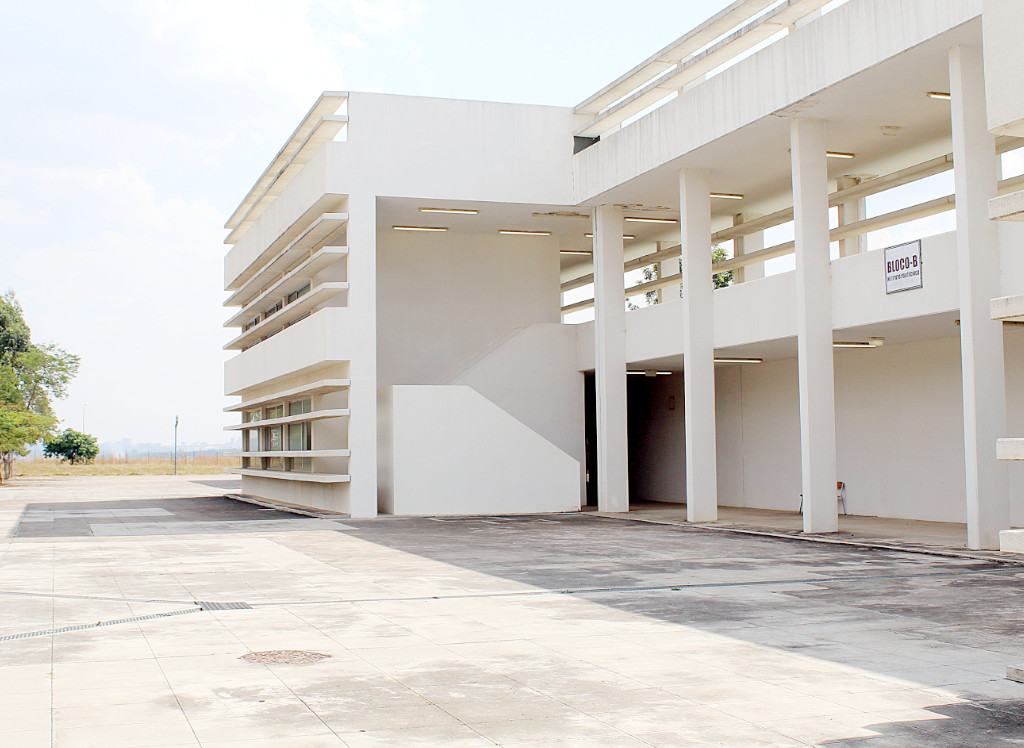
31 377
73 446
721 280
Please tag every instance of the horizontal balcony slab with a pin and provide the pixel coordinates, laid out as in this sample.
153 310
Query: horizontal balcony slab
1010 449
289 313
290 475
315 415
320 387
295 453
1008 309
271 283
320 342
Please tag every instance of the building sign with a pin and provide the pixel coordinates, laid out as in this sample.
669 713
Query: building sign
903 267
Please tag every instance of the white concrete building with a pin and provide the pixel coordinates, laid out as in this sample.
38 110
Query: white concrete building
431 292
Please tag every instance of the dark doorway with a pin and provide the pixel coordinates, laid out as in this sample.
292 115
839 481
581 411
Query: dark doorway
590 431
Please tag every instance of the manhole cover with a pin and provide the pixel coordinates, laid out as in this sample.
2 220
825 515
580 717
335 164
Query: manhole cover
284 657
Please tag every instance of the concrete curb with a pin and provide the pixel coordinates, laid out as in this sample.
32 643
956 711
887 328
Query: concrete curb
1002 558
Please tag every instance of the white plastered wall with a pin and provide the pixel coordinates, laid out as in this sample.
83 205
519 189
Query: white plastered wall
532 375
446 449
430 285
898 427
1002 21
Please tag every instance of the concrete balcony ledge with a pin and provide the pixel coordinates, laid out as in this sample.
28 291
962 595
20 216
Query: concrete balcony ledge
1007 207
289 475
1008 309
294 453
315 415
1010 449
1011 541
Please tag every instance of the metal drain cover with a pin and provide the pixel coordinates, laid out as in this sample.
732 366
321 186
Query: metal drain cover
284 657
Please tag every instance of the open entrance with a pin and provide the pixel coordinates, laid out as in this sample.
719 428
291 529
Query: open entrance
657 438
590 432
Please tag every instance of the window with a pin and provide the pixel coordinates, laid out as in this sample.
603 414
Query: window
275 411
273 310
299 407
251 323
299 437
250 416
302 464
298 293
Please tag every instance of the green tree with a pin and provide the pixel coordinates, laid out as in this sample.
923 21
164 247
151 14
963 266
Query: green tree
721 280
73 446
31 376
14 333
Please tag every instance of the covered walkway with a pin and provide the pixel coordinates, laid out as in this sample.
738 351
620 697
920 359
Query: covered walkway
904 534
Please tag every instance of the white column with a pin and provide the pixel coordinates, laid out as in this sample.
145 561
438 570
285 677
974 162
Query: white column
851 212
698 348
610 361
814 326
744 245
981 339
362 396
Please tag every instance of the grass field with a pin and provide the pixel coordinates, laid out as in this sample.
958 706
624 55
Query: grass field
199 465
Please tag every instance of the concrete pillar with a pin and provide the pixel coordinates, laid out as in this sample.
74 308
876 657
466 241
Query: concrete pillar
698 348
851 212
610 361
744 245
362 396
814 326
975 167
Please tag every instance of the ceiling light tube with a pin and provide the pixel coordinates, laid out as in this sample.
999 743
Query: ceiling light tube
457 211
739 360
524 232
575 252
727 195
420 228
645 219
941 95
624 236
869 343
840 154
649 373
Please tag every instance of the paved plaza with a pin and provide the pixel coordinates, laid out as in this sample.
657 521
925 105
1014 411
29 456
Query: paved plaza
127 606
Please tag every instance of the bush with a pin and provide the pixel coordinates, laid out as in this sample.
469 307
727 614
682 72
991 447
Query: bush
73 446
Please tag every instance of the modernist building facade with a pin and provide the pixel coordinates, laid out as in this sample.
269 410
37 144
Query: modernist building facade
458 307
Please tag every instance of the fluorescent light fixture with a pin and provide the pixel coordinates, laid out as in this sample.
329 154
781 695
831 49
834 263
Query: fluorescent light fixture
523 232
739 360
420 228
941 95
645 219
650 373
561 214
869 343
457 211
575 252
727 195
624 236
840 154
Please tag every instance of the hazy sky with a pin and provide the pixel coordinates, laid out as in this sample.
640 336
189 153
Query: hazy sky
131 130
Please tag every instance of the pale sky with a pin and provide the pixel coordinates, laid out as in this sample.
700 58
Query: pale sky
131 130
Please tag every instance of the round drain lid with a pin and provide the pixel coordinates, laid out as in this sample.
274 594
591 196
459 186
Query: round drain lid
284 657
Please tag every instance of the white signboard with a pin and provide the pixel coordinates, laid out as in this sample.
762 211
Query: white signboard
903 267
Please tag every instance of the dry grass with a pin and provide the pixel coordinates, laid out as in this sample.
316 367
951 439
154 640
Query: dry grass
200 465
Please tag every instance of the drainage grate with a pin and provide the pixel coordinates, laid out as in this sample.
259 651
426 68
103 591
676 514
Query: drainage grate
83 627
223 606
284 657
